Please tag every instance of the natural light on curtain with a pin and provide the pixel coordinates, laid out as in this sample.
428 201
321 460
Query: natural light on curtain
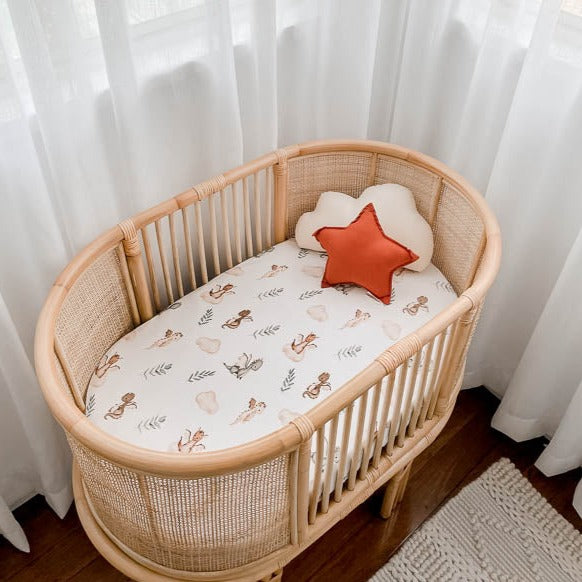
109 107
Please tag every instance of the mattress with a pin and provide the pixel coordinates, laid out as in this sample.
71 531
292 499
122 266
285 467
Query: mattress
258 345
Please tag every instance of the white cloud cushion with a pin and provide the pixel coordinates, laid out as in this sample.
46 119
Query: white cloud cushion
396 211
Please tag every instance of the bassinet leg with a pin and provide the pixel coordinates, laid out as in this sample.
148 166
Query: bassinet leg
394 491
276 576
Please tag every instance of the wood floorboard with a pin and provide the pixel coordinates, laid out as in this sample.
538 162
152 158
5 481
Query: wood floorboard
357 546
44 531
70 555
98 569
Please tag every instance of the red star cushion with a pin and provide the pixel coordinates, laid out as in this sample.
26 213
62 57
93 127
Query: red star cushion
362 254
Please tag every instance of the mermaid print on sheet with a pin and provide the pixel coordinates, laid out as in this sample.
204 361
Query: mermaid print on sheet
415 306
296 350
107 364
253 409
117 410
191 442
217 293
169 337
234 322
358 318
315 388
274 271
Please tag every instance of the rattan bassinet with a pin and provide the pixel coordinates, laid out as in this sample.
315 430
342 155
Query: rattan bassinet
162 516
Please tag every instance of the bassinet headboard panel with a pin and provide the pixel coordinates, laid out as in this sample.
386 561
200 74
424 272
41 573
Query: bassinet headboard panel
458 228
349 172
424 184
95 313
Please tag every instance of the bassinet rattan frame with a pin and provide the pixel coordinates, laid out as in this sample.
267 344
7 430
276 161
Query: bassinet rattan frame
243 513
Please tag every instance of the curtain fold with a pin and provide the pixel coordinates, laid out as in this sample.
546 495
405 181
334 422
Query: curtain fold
107 108
547 400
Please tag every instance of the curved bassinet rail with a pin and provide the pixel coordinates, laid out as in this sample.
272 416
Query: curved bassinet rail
163 516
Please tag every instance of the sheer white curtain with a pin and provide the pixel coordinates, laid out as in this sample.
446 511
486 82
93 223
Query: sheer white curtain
109 107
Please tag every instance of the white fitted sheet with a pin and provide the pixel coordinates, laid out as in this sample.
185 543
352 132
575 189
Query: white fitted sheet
204 375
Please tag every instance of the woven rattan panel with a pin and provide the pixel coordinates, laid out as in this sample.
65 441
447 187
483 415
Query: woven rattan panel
63 384
224 521
458 238
93 316
423 184
309 176
200 525
116 495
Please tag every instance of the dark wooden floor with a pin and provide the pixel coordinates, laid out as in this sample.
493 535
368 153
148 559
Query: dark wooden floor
356 547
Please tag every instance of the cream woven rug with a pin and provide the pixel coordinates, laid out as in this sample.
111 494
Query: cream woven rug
497 528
